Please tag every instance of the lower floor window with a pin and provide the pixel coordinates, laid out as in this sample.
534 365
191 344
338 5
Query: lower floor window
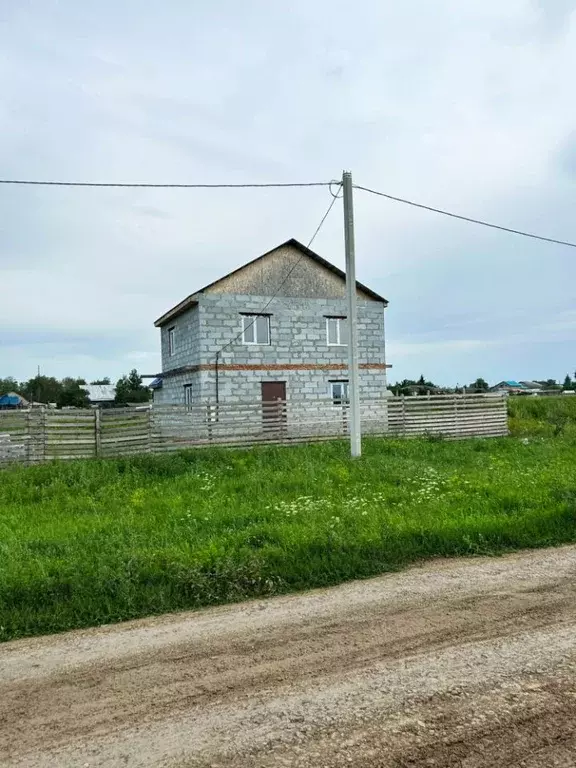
339 391
188 395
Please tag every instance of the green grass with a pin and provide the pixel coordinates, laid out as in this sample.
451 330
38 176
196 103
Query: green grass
553 416
90 542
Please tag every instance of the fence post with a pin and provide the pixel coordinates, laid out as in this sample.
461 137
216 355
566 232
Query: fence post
403 414
150 430
209 420
97 432
283 418
43 434
456 415
28 437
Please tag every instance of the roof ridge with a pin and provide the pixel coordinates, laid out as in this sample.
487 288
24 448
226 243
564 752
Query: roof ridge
190 300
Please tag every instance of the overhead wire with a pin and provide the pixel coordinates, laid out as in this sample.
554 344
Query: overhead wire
465 218
164 186
279 185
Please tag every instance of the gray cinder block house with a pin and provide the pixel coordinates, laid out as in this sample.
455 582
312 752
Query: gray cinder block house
274 328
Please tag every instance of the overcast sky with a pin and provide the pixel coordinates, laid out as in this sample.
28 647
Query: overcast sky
464 105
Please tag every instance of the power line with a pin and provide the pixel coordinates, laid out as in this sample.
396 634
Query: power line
280 185
290 271
164 186
466 218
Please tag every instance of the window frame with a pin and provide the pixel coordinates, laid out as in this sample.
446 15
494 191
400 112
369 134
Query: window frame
345 391
188 398
172 341
339 342
250 320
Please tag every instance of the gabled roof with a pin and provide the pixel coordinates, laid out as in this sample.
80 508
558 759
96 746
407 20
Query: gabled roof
100 393
191 300
509 383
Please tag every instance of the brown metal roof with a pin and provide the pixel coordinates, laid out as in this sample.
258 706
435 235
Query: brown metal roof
191 300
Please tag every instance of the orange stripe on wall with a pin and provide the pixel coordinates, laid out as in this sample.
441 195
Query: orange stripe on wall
273 367
292 367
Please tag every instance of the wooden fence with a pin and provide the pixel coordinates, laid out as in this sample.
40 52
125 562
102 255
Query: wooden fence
38 435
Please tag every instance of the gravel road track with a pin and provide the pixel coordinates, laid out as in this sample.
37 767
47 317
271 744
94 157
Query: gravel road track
463 663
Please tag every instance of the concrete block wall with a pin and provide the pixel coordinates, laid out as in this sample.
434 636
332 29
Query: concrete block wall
297 330
172 390
297 336
187 340
300 385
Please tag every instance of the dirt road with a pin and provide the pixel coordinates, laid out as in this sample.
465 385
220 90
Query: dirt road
457 663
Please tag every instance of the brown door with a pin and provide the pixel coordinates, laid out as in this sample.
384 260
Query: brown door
273 404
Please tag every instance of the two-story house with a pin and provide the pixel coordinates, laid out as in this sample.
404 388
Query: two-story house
275 328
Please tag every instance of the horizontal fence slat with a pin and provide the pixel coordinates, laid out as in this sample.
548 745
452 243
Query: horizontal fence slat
37 435
109 434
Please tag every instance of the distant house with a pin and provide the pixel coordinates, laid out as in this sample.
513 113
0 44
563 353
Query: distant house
12 400
274 329
100 394
533 386
511 386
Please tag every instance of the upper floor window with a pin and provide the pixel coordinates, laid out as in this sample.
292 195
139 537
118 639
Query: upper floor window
255 329
337 331
171 341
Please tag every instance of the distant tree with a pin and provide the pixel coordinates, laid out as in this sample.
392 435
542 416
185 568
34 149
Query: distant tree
122 390
425 385
567 382
480 385
129 389
105 380
403 387
550 384
9 384
409 386
134 379
42 389
73 394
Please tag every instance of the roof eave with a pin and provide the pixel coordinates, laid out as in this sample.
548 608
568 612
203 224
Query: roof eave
189 301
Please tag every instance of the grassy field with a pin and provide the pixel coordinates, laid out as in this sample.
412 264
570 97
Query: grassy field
90 542
543 416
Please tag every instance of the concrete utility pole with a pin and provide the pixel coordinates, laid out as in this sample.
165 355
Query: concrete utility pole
353 384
